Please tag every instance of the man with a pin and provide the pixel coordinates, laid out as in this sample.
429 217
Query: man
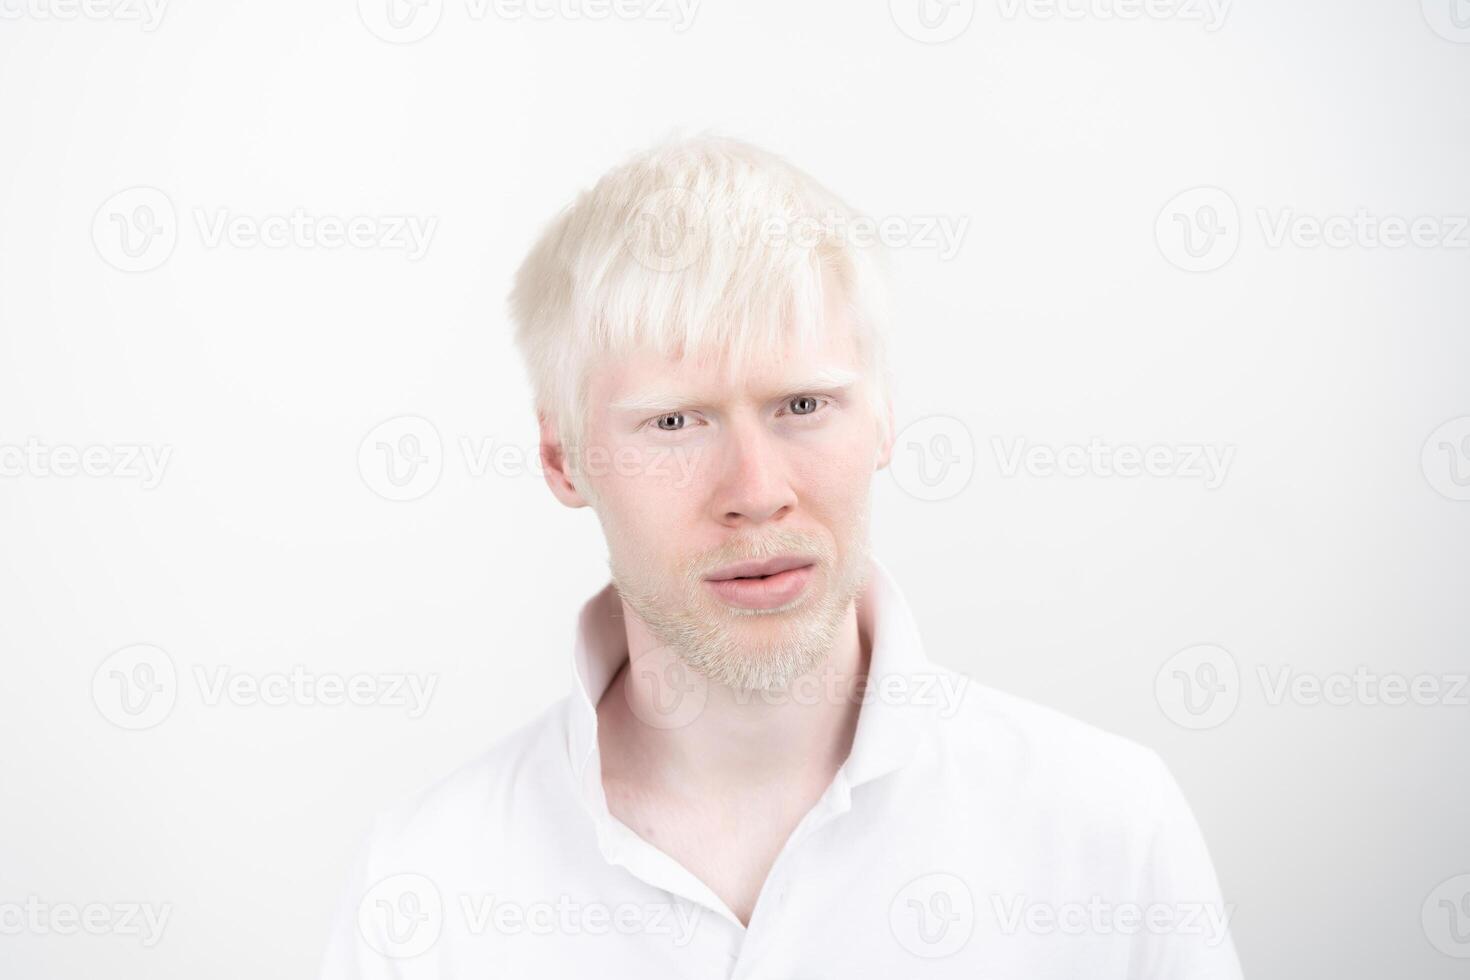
760 773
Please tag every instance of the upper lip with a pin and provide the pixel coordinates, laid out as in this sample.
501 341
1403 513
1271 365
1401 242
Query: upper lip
765 566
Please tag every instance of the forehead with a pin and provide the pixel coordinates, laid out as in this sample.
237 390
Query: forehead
646 377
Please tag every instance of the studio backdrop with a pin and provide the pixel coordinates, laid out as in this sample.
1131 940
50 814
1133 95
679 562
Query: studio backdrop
1179 351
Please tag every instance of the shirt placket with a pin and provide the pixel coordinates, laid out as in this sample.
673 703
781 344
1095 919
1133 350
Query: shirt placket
775 895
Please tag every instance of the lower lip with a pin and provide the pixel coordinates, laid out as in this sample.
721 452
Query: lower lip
763 593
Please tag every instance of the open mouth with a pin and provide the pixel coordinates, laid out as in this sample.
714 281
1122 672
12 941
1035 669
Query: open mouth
765 584
762 569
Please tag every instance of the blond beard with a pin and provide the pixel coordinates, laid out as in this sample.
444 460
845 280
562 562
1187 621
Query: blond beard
706 634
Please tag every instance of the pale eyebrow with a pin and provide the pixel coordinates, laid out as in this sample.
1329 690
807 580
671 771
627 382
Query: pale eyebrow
664 400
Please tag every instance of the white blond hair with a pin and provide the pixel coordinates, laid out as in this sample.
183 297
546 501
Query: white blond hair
703 246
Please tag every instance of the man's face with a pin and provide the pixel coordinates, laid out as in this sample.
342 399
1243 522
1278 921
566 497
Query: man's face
692 471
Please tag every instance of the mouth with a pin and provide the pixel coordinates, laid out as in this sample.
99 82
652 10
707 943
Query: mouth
764 568
766 584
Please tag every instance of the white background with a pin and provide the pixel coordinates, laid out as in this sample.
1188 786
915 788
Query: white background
1334 542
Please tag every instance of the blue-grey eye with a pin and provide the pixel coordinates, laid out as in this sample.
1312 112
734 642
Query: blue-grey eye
671 422
803 405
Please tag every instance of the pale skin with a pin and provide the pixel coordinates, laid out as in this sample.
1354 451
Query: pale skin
722 793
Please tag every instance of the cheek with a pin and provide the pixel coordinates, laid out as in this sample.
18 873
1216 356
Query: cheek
648 491
836 480
840 507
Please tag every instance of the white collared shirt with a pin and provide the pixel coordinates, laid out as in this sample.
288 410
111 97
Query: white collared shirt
968 834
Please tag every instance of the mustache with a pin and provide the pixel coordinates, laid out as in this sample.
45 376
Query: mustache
769 544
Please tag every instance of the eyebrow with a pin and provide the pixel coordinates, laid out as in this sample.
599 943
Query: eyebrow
831 379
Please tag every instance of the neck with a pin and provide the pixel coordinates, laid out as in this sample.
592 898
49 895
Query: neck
737 738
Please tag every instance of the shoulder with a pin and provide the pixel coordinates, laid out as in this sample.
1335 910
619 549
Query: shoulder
518 783
1028 752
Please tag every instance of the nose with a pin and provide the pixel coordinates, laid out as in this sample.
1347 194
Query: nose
754 485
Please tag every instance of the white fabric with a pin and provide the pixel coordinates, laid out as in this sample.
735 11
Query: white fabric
969 834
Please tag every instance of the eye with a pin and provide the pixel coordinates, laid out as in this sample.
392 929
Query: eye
804 405
670 421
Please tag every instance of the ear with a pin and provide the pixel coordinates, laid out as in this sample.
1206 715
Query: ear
885 451
554 465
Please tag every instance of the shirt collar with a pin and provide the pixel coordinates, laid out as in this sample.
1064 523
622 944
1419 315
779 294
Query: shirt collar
896 715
